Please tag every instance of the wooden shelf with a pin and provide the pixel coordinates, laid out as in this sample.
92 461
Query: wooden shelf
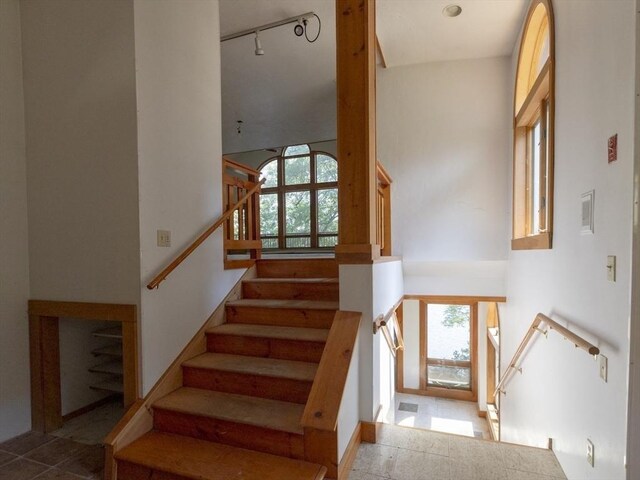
112 385
114 350
111 332
113 367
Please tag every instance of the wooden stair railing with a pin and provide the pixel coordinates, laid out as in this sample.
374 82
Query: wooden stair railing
242 229
382 322
383 210
578 341
158 279
320 417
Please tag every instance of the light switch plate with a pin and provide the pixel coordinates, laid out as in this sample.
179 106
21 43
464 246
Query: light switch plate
611 268
603 366
164 238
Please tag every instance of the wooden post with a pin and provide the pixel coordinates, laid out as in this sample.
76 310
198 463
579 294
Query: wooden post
356 80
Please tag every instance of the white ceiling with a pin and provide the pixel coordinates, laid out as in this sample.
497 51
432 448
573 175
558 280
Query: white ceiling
416 31
288 95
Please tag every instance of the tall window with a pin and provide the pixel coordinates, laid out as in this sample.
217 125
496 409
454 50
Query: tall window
533 131
299 200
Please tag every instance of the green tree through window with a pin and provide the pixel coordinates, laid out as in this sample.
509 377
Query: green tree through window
299 200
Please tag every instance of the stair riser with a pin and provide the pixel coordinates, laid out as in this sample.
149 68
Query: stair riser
266 347
133 471
235 434
285 389
308 268
321 291
286 317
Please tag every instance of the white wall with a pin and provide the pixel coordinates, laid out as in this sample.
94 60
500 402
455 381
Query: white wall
80 105
443 131
633 415
372 290
560 394
180 148
288 95
15 414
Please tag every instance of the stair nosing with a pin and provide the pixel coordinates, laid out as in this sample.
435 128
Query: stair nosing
289 304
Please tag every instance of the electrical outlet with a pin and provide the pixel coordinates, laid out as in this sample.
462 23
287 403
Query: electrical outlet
611 268
603 366
164 238
590 453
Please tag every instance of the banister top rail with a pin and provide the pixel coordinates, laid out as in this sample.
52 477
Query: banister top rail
381 323
323 404
202 237
240 167
382 174
574 338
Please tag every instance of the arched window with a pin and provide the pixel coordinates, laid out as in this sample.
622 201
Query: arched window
299 200
534 131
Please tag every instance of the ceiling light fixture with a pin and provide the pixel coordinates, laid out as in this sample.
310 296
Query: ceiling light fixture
452 10
299 30
259 50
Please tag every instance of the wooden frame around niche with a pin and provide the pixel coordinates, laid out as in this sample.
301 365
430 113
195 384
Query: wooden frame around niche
44 353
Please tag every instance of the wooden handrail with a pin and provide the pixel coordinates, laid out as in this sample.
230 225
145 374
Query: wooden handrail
203 236
323 404
240 167
381 323
578 341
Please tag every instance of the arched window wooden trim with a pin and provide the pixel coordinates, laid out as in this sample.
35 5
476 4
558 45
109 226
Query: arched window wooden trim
315 239
534 118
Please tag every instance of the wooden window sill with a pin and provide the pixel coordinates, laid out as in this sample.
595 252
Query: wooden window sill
542 241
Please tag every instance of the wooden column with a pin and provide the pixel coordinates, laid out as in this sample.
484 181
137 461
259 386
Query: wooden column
356 80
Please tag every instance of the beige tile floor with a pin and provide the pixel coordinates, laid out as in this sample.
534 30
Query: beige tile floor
92 427
441 415
404 453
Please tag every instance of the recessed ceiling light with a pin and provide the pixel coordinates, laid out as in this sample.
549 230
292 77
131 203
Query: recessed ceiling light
452 10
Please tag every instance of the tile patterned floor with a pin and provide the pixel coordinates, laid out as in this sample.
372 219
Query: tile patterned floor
45 457
439 414
404 453
92 427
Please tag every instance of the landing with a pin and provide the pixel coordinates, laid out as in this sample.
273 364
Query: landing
404 453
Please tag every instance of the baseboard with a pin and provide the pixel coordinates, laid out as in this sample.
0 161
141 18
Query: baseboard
369 432
350 453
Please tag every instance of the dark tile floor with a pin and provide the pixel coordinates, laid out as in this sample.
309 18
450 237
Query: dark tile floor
45 457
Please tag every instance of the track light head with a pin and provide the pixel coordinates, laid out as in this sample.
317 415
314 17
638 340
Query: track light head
298 29
259 50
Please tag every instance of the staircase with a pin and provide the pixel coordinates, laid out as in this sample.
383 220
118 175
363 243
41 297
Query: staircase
237 414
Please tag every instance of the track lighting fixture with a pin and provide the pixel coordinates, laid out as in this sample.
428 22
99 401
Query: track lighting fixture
300 29
259 50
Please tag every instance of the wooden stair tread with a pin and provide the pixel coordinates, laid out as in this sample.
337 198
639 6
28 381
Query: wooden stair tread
297 304
268 367
202 460
293 280
259 412
270 331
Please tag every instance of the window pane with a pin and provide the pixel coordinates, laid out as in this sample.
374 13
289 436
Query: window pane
328 241
270 172
268 214
269 243
328 211
536 138
298 242
297 170
298 212
296 150
448 342
326 169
